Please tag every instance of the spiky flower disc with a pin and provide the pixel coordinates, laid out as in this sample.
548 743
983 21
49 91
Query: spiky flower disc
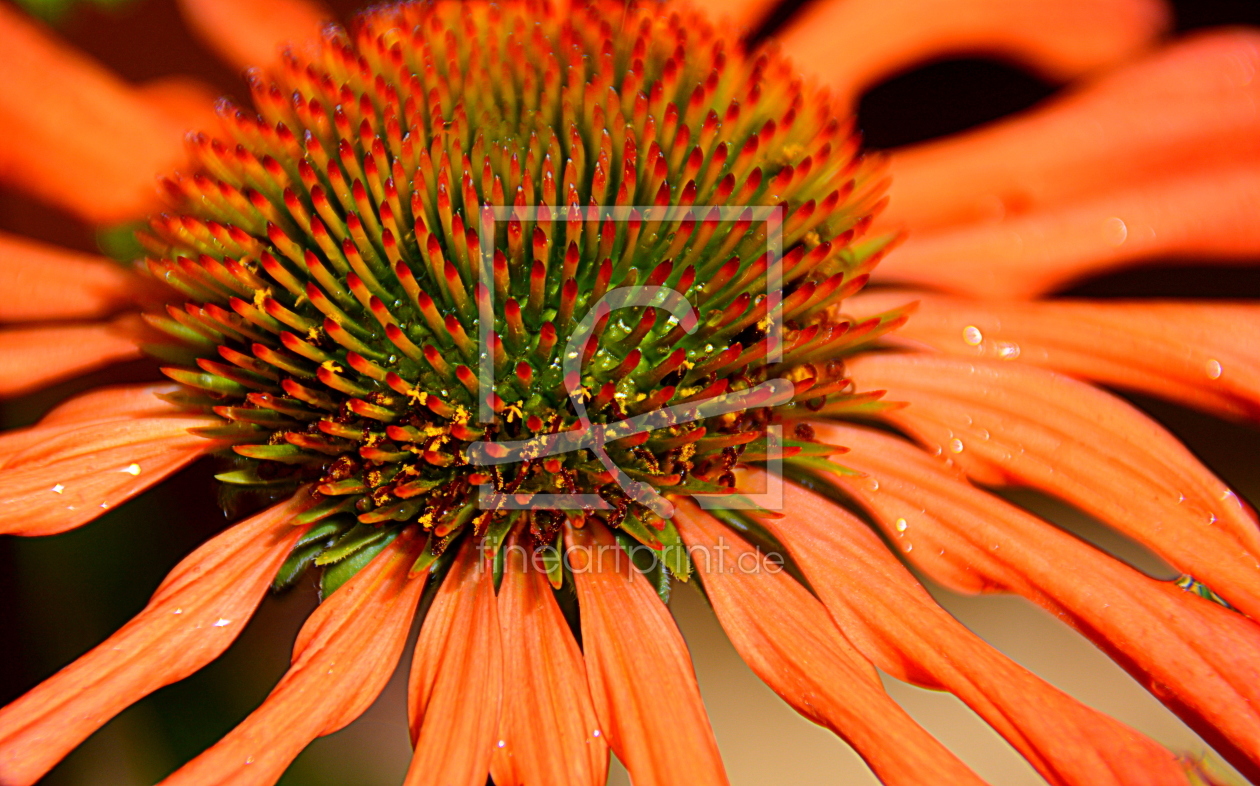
329 263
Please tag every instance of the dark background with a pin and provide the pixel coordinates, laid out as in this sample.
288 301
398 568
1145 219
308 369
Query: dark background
66 593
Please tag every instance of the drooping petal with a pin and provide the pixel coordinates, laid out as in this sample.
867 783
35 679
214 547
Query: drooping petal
192 618
454 695
1200 659
60 475
640 674
740 14
186 101
853 43
343 656
1012 423
1189 106
246 33
103 404
548 724
44 282
73 134
1201 354
867 590
1208 214
32 357
787 638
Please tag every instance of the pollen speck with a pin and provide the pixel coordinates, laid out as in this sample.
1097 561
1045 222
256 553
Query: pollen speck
131 469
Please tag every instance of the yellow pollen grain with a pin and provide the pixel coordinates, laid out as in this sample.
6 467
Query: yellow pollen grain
260 295
514 411
331 366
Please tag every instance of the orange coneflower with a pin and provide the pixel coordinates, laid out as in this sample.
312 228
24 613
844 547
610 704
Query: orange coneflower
464 259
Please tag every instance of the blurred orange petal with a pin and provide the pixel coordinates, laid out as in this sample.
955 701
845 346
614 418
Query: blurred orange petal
853 43
248 33
869 592
192 618
1209 214
188 102
343 656
454 695
32 357
74 135
1199 658
548 723
1008 423
1186 107
1201 354
786 637
739 14
46 282
57 476
640 673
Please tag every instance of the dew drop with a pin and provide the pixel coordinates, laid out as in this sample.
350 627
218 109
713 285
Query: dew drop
131 469
178 611
956 445
1007 350
909 547
57 489
502 743
249 760
874 484
1116 231
1214 369
595 733
902 526
219 623
972 336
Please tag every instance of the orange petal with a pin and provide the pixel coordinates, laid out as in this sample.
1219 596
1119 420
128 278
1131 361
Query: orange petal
640 674
869 592
60 475
1011 423
193 617
739 14
455 691
73 134
1206 214
785 635
33 357
102 404
45 282
853 43
1189 106
548 723
247 33
343 656
1201 354
186 101
1200 659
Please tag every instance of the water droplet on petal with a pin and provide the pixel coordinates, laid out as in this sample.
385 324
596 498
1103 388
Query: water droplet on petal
249 760
219 623
956 445
972 336
1214 369
909 547
57 489
1007 350
502 743
131 469
901 525
1116 231
595 733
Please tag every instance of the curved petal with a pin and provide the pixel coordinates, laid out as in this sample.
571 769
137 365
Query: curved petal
73 134
640 674
1207 214
61 475
1200 659
868 590
740 14
1189 106
785 635
342 658
103 404
46 282
1011 423
192 618
548 723
454 695
1202 354
853 43
247 33
33 357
